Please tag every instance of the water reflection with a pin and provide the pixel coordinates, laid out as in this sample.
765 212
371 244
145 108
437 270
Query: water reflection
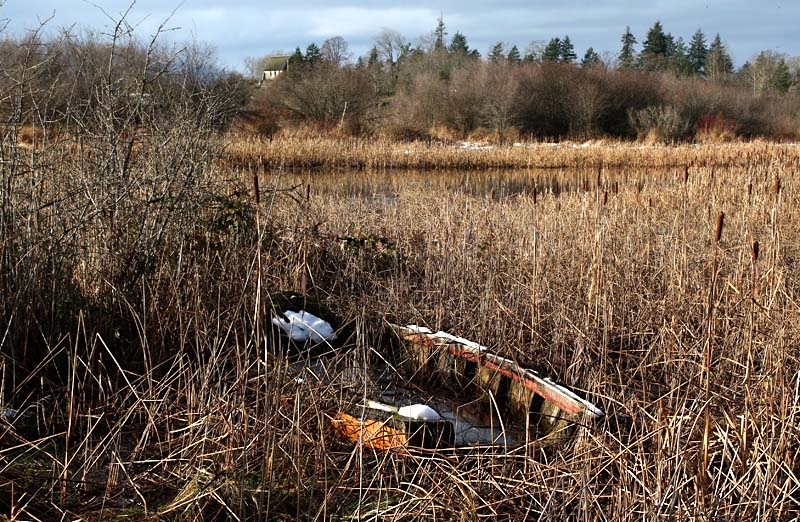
498 184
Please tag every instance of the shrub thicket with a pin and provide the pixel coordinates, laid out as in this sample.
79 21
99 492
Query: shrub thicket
539 100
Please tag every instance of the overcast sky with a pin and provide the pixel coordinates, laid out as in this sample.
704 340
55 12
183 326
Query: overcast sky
241 28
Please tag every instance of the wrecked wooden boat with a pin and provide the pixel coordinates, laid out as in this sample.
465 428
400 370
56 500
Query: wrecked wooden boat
520 396
471 397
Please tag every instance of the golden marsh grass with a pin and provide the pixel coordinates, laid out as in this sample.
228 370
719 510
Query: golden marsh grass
157 391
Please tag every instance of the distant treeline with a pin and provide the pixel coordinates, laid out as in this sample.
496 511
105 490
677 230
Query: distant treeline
668 90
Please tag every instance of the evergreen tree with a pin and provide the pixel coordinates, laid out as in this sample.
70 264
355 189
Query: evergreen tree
313 54
458 45
655 42
296 59
697 53
671 45
678 56
513 56
438 34
567 51
552 51
718 62
590 59
655 49
782 77
474 53
496 53
627 54
373 56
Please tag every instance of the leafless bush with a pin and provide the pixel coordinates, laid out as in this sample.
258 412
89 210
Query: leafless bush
325 94
105 153
660 123
542 100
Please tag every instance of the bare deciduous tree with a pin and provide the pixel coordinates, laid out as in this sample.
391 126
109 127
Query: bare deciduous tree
390 45
335 50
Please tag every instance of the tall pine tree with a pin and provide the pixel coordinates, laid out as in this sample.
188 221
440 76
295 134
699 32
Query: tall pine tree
627 54
296 60
782 79
567 51
655 49
439 33
552 51
677 53
313 54
496 54
513 56
698 52
373 56
458 45
590 59
656 41
719 64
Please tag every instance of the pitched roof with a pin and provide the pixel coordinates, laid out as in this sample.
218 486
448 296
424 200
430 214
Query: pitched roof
276 63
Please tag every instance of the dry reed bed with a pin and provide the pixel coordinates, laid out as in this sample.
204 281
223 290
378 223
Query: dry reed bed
155 393
324 152
613 293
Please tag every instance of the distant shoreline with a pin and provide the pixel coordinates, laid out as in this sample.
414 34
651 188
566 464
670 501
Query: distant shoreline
326 152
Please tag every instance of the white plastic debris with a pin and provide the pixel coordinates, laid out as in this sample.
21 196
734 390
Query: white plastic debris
419 412
302 326
471 145
375 405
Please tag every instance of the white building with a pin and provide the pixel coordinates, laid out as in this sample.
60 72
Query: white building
273 66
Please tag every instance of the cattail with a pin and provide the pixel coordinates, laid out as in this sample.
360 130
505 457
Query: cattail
720 224
599 176
534 194
605 197
776 189
686 175
308 191
755 251
255 188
